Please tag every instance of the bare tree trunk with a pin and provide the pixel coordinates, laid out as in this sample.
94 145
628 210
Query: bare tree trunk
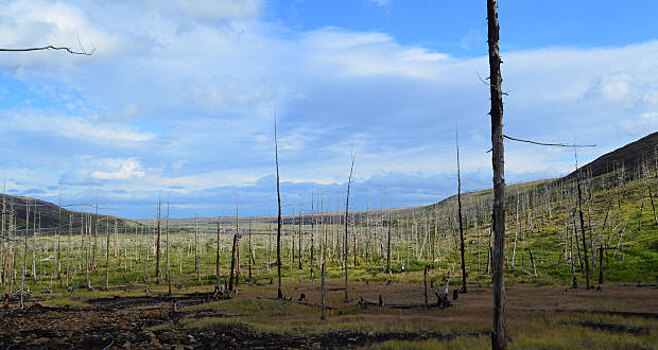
58 261
461 227
347 208
27 230
107 255
582 225
217 252
323 297
427 305
312 257
237 245
532 261
498 340
299 237
157 243
232 271
516 233
68 251
34 243
168 247
278 228
251 255
388 248
5 260
600 265
197 262
95 247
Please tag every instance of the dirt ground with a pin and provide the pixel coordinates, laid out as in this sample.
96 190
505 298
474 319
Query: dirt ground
153 322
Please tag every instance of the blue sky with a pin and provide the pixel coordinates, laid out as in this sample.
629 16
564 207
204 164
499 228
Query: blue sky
178 99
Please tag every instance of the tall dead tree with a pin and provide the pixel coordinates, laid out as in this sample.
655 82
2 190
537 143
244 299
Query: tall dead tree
278 225
107 254
5 256
219 227
498 340
158 230
197 260
347 210
459 214
68 250
250 257
95 247
58 262
582 222
388 245
167 249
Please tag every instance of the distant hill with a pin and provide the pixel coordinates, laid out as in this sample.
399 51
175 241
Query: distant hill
628 157
50 214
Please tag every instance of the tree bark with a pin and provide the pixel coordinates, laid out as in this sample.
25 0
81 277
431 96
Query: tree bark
498 340
278 226
217 252
157 243
347 208
323 310
461 225
388 248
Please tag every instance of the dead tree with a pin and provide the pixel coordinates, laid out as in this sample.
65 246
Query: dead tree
278 227
323 296
157 243
167 249
197 260
219 219
312 261
95 235
459 207
582 223
388 246
107 254
4 240
250 257
68 251
347 208
27 230
498 340
58 262
235 254
299 237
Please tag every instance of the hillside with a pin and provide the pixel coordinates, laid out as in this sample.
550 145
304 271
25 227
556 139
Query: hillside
628 158
50 214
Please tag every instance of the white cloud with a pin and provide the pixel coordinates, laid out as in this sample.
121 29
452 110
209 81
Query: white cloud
207 10
651 98
118 169
74 127
36 23
190 90
618 89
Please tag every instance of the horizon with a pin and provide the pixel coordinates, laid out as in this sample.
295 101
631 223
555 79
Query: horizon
178 100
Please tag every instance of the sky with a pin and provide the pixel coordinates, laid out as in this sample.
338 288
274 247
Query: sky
178 100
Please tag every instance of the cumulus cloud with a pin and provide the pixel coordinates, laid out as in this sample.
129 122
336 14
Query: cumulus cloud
618 89
40 23
118 169
181 97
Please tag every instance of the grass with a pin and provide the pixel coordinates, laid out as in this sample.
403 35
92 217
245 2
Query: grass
541 313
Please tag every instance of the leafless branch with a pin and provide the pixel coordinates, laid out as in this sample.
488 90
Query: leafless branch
50 47
547 144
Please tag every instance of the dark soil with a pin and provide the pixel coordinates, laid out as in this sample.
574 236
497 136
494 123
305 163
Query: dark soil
123 322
